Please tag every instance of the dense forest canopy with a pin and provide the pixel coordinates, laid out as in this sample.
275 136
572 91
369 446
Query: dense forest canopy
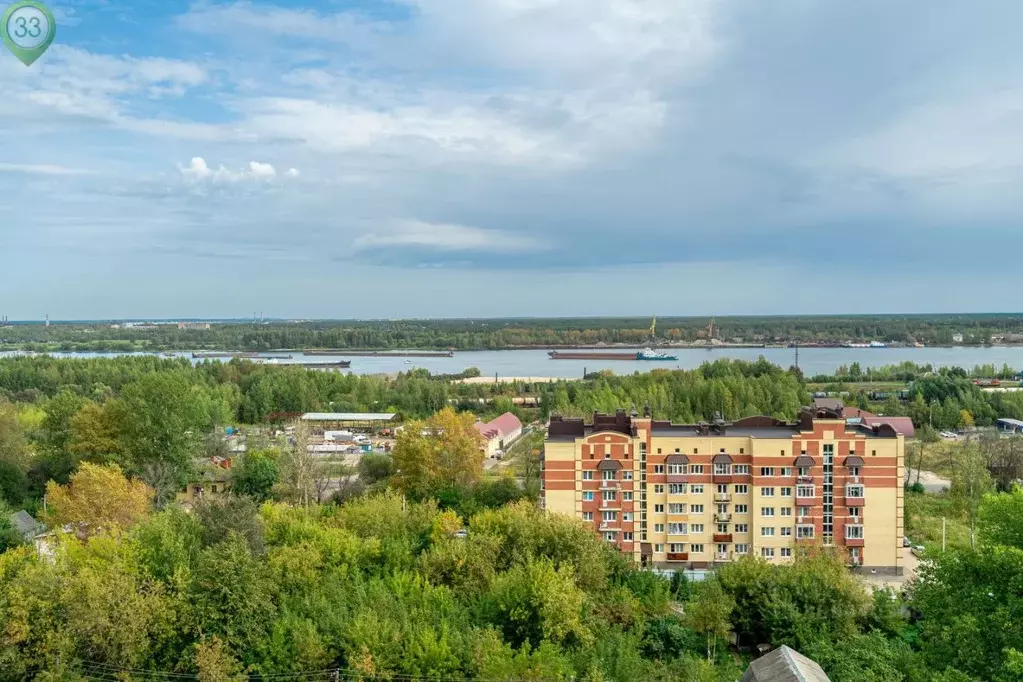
483 334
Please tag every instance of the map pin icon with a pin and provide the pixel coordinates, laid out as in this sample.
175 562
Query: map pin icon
28 28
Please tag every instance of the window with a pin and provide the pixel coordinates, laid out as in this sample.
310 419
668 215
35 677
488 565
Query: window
767 492
767 552
658 527
854 512
804 532
609 536
873 453
767 531
677 508
696 468
742 549
723 488
742 528
786 552
626 475
804 491
696 509
741 468
676 488
658 468
696 528
722 549
854 532
785 492
658 508
610 516
722 468
786 471
854 491
742 509
742 489
786 511
658 451
627 496
642 450
587 516
767 471
588 496
767 511
722 509
676 469
658 548
697 489
609 475
658 488
741 451
696 549
626 516
587 475
804 471
610 495
696 451
676 529
722 528
804 511
627 536
786 532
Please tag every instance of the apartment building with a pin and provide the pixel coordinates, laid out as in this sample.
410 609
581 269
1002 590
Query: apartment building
690 496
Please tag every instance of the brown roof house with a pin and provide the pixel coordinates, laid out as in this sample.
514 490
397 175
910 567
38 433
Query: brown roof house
499 433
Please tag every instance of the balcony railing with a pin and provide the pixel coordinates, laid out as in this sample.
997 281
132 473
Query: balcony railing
854 500
610 504
854 479
804 479
678 556
722 518
723 556
722 497
722 537
678 478
610 485
722 478
609 525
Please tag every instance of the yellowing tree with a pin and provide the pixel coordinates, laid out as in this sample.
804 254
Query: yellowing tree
445 450
98 499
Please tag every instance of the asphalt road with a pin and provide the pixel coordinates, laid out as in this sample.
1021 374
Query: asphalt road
931 482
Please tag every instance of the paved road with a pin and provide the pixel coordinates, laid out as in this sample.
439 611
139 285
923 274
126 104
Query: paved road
931 482
896 582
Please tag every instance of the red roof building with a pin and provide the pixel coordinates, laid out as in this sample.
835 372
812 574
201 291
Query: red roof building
500 432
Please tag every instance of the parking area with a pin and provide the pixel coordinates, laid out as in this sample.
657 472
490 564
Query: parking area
896 582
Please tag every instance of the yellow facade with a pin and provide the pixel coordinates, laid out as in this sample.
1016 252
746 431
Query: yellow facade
746 503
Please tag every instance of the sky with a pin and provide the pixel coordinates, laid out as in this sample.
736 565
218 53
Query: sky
489 158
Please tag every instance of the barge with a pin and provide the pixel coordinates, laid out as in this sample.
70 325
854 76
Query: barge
645 354
384 353
244 355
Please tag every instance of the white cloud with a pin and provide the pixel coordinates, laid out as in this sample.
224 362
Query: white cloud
198 169
42 169
292 173
446 237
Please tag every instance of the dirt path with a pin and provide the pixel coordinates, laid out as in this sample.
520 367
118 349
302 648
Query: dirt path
931 482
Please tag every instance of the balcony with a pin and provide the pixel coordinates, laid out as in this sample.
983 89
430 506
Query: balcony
609 525
723 556
610 504
678 556
854 542
722 497
722 537
610 485
722 518
678 478
808 480
854 479
856 539
854 501
722 478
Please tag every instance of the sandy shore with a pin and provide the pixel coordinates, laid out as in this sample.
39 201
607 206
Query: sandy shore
512 380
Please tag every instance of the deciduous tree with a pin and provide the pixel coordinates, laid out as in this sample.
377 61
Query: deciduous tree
98 498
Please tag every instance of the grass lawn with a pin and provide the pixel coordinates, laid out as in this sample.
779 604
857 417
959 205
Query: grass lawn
938 457
924 512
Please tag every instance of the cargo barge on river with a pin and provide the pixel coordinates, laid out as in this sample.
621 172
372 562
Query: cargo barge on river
384 353
245 355
645 354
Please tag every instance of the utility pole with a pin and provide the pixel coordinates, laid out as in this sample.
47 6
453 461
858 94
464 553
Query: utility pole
942 533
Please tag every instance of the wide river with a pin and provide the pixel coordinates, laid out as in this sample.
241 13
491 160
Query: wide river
536 363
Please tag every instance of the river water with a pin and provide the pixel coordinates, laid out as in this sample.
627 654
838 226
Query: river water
536 363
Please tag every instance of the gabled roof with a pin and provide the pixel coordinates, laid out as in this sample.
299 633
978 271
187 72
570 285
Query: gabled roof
499 428
25 524
784 665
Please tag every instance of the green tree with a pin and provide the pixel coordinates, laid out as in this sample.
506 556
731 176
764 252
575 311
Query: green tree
444 451
535 601
970 483
709 613
98 499
1000 517
255 474
94 432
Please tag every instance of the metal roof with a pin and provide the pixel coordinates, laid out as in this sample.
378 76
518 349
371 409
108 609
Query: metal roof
348 416
784 665
1011 422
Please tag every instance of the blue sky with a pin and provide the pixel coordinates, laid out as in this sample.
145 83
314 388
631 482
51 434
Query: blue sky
442 158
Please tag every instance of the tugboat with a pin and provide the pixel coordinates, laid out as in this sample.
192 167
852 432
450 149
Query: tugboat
650 354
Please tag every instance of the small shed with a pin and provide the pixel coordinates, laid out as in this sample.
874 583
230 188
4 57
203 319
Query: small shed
784 665
25 525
